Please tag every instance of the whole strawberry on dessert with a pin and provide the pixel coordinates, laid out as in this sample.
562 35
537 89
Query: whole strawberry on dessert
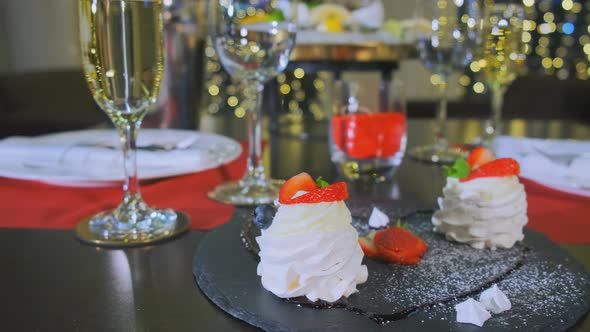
310 249
483 202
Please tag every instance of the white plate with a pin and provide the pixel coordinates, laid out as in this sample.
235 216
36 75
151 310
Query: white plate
215 149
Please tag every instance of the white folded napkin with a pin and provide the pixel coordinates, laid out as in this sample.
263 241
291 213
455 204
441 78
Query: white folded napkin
560 164
96 155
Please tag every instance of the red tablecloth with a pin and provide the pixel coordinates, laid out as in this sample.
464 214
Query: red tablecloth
29 204
563 217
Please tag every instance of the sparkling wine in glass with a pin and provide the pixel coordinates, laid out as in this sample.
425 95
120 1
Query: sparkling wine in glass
446 42
503 57
253 39
122 60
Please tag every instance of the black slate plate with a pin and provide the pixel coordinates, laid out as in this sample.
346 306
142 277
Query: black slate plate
550 291
393 291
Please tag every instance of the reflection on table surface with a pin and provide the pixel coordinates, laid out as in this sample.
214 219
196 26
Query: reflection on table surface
295 146
303 146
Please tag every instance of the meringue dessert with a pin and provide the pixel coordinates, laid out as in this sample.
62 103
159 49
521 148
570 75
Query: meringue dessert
485 206
311 249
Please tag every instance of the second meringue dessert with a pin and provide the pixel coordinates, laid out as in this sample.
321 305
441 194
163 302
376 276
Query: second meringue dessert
311 248
483 202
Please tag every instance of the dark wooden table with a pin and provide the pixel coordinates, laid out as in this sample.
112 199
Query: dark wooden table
51 282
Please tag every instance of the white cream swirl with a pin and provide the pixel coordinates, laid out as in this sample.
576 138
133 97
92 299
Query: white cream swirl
311 250
484 212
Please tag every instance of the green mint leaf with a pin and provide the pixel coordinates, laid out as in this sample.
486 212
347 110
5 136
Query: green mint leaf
321 182
448 170
460 169
463 168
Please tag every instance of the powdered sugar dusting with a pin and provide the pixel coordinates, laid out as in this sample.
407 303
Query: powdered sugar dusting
545 295
447 270
547 288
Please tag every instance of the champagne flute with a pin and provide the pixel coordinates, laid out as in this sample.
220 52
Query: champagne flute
446 42
122 58
253 39
503 57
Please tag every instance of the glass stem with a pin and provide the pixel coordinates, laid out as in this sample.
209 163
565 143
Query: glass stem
254 167
440 129
495 122
129 138
132 201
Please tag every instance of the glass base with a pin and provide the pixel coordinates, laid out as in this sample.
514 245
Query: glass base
437 155
247 192
369 170
133 223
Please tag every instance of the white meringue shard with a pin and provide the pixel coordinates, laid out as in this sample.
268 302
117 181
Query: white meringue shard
311 250
485 212
378 219
472 312
494 300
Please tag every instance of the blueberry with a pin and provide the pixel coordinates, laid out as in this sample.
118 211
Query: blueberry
263 216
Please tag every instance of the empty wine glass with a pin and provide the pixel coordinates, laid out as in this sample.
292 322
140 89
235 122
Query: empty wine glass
447 34
253 39
503 57
122 60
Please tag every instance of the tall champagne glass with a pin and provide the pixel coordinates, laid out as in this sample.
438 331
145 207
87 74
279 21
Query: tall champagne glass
503 56
253 39
447 44
122 57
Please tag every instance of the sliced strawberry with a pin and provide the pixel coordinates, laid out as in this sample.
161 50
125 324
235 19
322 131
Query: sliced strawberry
480 156
331 193
399 245
299 182
368 246
498 167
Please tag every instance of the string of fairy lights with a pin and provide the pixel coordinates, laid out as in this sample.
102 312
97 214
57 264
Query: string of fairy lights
558 35
556 41
298 91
